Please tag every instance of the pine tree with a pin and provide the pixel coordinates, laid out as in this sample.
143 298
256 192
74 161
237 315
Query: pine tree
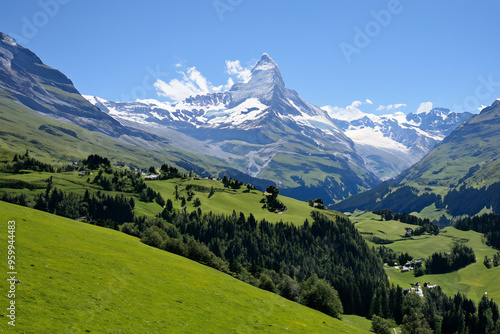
486 262
169 205
496 259
415 323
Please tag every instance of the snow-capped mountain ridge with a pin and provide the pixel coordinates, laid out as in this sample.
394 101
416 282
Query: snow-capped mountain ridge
272 131
245 105
391 143
261 121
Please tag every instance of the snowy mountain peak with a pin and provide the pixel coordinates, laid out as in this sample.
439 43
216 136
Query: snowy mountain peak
265 63
265 81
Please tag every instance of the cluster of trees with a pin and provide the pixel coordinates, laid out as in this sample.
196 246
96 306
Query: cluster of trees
100 209
169 172
426 226
19 184
95 161
434 313
20 199
457 315
173 237
317 203
25 162
121 180
495 262
271 201
459 257
381 325
488 224
149 195
389 256
231 183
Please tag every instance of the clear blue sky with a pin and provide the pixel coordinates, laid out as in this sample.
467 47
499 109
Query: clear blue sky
445 52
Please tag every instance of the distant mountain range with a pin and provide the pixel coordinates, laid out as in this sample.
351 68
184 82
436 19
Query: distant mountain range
461 175
391 143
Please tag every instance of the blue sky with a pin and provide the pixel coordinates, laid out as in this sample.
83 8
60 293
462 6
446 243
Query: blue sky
396 54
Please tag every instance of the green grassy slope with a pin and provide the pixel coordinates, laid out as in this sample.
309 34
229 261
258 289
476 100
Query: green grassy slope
79 278
225 200
473 280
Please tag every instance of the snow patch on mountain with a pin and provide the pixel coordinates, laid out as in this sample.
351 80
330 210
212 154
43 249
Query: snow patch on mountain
375 137
249 110
7 40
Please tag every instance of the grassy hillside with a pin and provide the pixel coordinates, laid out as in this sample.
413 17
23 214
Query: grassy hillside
81 278
223 201
473 280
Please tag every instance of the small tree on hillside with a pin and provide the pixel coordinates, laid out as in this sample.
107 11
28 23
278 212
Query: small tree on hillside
320 295
266 283
381 325
414 323
487 262
318 203
169 205
272 202
496 259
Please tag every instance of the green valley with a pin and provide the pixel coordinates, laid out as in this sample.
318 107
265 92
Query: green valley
473 280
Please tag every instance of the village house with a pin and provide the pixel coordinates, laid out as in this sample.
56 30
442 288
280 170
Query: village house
152 177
